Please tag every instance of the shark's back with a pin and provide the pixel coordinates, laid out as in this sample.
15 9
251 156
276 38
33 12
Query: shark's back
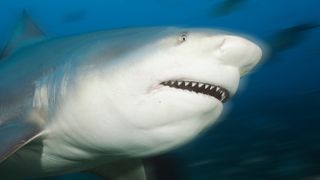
20 71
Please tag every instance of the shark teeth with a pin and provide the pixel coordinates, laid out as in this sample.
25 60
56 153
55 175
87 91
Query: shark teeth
199 87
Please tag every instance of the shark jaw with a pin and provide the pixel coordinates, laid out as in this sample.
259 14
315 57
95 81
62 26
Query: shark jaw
212 90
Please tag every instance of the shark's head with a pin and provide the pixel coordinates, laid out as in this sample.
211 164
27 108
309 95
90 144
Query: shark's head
145 91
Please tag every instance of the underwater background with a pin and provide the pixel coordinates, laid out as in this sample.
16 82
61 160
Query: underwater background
270 129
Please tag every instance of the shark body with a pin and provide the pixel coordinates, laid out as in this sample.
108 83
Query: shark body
103 100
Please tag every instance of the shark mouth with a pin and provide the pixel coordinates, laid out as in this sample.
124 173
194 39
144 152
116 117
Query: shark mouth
218 92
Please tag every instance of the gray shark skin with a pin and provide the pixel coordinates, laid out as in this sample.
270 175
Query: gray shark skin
102 101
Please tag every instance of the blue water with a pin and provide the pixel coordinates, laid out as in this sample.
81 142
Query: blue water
271 130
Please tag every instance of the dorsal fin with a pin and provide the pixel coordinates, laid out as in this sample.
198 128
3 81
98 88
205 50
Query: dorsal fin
25 31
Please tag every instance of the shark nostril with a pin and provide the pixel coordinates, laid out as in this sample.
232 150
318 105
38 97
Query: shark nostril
222 44
221 49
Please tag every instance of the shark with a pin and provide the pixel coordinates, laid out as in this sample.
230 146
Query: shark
102 101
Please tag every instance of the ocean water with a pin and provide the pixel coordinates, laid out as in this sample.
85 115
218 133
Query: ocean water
271 127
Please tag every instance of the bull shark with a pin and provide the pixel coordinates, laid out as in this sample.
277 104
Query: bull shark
102 101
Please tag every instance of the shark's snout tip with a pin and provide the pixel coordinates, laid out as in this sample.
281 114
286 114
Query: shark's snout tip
239 52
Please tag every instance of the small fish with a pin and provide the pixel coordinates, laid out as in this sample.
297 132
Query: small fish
290 37
74 16
227 7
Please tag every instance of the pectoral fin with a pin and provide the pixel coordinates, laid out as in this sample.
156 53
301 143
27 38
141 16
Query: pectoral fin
14 134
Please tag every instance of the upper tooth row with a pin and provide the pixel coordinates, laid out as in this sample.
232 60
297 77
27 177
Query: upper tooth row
193 84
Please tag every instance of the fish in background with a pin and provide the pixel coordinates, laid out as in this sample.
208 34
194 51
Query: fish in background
100 102
226 7
74 16
290 37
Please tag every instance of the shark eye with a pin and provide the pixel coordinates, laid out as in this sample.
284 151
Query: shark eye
183 37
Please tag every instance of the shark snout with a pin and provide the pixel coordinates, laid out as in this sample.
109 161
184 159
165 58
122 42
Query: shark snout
239 52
